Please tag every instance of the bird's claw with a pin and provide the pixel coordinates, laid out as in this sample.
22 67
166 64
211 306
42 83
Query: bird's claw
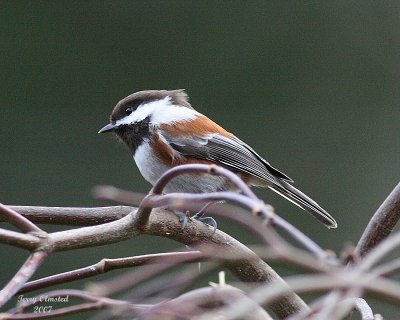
183 219
206 220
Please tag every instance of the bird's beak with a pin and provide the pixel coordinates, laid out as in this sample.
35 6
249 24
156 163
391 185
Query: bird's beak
107 128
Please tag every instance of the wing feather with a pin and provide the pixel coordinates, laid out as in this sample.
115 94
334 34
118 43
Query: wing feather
231 152
227 151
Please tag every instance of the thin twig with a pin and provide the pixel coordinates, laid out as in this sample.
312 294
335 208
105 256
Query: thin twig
18 239
203 168
96 303
387 268
382 223
380 287
364 309
22 276
197 301
345 301
18 220
80 308
106 265
329 305
378 252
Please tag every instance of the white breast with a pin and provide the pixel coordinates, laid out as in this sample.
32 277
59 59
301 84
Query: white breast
149 166
152 169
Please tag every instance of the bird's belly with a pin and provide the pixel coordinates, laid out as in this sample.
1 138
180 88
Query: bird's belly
201 183
152 169
149 166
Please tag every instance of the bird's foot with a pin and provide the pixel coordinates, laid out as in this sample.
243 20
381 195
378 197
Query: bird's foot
206 220
183 218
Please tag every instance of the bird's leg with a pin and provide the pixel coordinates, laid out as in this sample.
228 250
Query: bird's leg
182 217
206 220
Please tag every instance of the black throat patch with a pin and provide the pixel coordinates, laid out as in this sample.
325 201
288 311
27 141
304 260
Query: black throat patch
133 135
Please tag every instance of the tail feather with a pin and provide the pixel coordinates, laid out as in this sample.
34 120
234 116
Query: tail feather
297 197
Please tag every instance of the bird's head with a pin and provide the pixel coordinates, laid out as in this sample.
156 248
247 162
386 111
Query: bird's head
134 117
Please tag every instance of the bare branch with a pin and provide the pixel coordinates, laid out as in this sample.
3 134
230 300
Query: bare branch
344 302
164 223
382 223
72 216
182 200
55 313
380 287
93 216
144 211
387 268
111 232
364 309
134 278
197 301
378 252
18 221
248 268
282 249
20 240
328 307
106 265
96 303
22 276
203 168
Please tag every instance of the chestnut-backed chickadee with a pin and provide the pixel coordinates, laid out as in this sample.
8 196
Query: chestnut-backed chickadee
162 130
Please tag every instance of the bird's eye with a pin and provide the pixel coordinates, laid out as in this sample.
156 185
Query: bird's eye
129 110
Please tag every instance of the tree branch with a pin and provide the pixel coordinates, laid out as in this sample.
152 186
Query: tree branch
197 301
364 309
382 288
20 240
164 223
21 277
381 224
95 303
106 265
72 216
18 221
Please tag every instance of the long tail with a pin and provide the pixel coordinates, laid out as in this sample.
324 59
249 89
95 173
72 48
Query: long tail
297 197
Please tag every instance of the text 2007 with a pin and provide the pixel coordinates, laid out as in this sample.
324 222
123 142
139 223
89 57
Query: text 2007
42 309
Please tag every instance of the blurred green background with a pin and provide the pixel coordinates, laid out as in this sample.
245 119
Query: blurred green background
313 87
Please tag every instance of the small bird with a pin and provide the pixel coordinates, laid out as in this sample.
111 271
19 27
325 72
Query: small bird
163 130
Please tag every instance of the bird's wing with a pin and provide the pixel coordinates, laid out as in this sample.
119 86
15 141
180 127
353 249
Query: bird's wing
230 152
234 154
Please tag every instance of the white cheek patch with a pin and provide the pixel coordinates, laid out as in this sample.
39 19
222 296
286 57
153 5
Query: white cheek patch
172 113
141 113
160 111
